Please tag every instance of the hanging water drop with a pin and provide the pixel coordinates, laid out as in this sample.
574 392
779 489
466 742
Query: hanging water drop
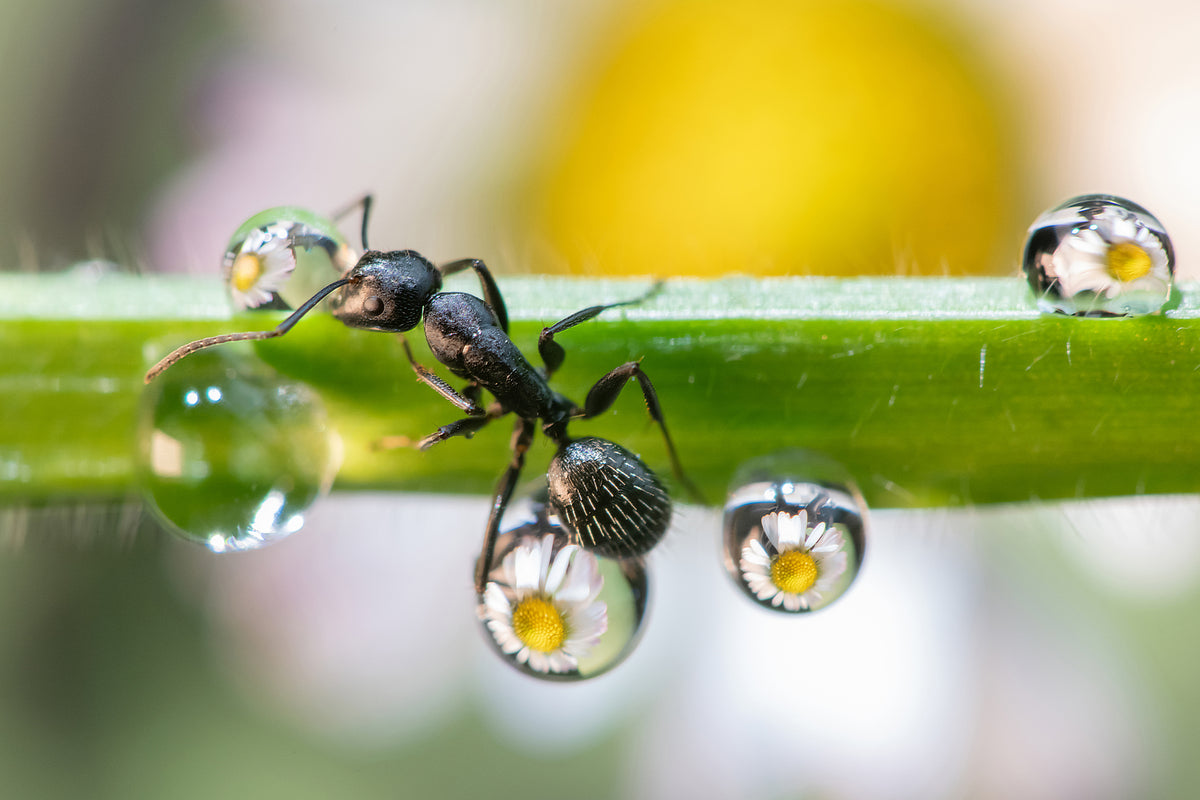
1099 255
553 609
280 257
231 454
794 532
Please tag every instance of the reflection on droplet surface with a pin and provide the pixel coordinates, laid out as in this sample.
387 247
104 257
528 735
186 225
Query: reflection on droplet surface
280 257
1099 255
554 610
794 532
231 454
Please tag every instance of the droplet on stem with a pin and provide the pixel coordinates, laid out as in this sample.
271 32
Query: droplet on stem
280 257
231 454
1099 256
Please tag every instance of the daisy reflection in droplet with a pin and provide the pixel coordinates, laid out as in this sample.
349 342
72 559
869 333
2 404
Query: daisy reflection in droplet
260 267
1112 255
799 566
541 607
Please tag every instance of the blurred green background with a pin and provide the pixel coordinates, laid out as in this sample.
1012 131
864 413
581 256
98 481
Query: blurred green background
1034 652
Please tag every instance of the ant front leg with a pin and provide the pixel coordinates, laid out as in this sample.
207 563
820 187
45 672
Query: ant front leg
365 202
605 392
522 436
491 292
552 352
468 404
467 426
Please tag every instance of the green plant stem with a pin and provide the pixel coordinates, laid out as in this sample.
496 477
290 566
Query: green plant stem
930 391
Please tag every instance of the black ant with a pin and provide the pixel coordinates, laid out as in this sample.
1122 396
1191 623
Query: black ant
604 495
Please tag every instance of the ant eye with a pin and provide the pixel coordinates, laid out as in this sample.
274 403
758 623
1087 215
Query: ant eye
373 305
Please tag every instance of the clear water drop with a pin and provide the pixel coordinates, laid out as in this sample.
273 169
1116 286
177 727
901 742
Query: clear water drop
794 532
554 610
231 454
1099 256
280 257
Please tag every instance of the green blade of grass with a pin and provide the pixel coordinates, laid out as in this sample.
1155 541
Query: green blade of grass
930 391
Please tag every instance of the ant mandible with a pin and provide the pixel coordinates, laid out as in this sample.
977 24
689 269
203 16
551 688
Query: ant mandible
604 495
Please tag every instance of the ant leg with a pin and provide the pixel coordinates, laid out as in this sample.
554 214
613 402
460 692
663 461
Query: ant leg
522 436
552 352
605 391
491 292
364 203
465 404
462 427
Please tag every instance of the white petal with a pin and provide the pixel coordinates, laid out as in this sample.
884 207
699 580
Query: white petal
583 580
547 553
538 661
508 569
559 661
792 528
817 531
278 264
763 589
1122 230
830 567
1088 242
559 568
587 621
504 636
755 554
496 602
527 563
770 527
830 541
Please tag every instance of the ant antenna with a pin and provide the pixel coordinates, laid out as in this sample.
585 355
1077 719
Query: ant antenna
283 328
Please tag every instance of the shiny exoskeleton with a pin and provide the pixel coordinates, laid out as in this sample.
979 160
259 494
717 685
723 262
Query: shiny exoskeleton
611 501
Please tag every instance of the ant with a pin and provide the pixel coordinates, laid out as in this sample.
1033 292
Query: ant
609 500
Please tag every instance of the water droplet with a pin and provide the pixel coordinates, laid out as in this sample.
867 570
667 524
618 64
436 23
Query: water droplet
231 454
1099 255
554 610
280 257
795 531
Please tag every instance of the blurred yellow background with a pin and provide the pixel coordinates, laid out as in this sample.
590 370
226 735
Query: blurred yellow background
1001 653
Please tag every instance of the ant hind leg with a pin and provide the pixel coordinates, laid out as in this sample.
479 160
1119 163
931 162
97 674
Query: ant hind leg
605 392
552 352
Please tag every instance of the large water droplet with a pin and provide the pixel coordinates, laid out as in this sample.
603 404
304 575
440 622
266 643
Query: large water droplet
280 257
554 610
795 532
231 454
1099 255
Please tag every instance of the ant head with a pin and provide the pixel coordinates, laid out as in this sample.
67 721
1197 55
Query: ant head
387 291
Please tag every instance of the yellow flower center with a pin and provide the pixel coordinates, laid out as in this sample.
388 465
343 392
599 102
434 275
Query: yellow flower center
793 571
247 269
539 625
1127 261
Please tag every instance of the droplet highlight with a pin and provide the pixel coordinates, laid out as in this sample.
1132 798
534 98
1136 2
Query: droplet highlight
231 454
1098 255
553 609
280 257
794 532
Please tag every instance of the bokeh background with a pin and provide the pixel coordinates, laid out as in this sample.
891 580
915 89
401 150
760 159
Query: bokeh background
1029 652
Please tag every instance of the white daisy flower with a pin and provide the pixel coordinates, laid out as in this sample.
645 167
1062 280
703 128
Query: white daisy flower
542 607
1113 255
799 566
260 267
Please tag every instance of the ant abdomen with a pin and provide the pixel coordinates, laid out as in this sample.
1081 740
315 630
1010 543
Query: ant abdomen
608 498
